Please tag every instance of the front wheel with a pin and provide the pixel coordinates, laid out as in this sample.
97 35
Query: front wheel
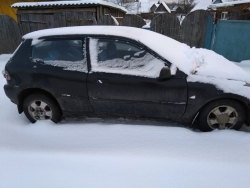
41 107
222 114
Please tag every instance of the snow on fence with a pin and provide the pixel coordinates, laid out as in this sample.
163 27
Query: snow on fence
10 36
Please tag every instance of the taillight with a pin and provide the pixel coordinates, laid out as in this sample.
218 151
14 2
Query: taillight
6 75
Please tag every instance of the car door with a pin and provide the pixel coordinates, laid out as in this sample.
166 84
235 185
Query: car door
124 81
60 67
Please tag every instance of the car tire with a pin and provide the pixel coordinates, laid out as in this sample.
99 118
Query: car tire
41 107
222 114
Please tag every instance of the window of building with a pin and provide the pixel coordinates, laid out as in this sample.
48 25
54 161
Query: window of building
224 15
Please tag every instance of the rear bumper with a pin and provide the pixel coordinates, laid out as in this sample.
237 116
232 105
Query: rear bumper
248 119
11 93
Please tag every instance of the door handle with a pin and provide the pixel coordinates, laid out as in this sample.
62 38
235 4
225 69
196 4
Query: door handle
102 81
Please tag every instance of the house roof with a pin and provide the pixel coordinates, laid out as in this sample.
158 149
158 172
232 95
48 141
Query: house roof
145 6
174 7
165 6
141 7
228 4
217 1
156 4
66 4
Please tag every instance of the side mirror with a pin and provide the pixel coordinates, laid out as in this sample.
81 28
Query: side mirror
165 74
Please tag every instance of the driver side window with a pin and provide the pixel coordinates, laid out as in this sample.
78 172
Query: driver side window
123 57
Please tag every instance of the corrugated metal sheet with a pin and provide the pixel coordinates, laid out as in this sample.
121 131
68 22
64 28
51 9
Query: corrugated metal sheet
66 3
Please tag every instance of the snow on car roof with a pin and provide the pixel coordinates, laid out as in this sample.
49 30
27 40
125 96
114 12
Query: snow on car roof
192 61
67 3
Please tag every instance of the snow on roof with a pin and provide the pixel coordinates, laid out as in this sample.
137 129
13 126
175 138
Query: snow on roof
174 8
141 7
66 3
156 4
166 7
228 3
202 5
145 6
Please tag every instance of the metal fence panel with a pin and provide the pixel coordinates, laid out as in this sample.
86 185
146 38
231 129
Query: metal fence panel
232 39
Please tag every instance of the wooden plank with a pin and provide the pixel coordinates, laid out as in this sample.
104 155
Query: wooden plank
80 18
57 20
25 25
132 21
106 20
98 13
63 17
166 24
41 11
10 35
194 28
69 16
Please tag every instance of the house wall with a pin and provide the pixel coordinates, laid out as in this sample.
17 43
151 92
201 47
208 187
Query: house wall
33 19
236 12
178 11
5 7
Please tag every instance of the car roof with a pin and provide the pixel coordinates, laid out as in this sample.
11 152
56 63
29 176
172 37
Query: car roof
129 32
166 47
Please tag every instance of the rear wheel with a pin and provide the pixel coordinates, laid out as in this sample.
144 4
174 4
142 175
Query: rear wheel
41 107
222 114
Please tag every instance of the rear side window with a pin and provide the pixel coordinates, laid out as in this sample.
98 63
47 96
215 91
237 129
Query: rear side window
68 54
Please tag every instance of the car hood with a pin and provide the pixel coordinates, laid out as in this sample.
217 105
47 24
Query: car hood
206 63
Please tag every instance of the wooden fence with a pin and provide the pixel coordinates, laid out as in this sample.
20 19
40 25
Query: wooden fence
132 21
193 30
10 36
36 21
167 24
107 20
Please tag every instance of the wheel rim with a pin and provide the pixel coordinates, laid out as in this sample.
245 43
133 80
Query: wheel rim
40 110
222 117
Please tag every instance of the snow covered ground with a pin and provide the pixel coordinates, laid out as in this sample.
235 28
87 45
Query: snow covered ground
117 153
